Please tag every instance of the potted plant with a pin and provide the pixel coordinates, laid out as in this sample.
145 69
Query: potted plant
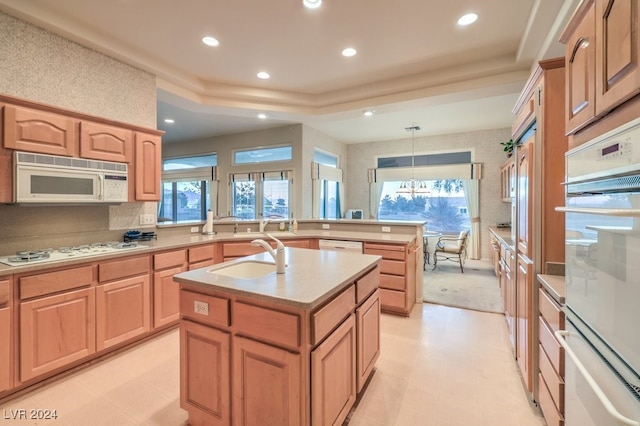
507 147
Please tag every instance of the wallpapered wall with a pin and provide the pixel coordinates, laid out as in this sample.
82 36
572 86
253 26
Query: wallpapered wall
43 67
485 147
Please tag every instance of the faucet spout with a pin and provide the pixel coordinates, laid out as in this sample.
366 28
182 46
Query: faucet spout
277 254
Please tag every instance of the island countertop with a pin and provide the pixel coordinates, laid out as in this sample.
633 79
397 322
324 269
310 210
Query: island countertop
311 277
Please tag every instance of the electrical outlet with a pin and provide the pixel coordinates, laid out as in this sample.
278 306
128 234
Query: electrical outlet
147 219
325 226
201 308
386 229
195 229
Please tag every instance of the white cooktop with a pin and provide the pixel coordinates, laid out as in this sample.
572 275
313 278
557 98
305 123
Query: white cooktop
65 253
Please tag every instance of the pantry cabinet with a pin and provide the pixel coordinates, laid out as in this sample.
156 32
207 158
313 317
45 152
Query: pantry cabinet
107 143
6 343
603 60
27 129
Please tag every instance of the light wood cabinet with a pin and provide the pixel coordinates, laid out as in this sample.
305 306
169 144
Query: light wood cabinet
508 180
166 297
148 164
202 256
266 383
122 310
525 319
55 331
107 143
27 129
333 373
205 374
6 170
6 341
397 275
525 191
368 335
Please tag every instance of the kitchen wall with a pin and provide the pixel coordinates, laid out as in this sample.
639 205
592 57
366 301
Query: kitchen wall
43 67
484 146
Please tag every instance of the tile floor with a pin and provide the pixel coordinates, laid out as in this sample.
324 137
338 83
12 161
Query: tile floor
441 367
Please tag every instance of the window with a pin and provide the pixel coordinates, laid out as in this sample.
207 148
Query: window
443 206
327 181
263 155
188 189
326 158
266 194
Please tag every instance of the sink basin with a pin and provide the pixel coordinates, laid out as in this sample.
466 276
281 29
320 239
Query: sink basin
245 270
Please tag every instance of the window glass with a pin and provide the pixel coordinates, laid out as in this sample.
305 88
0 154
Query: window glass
243 199
275 196
263 155
426 160
442 205
329 200
190 162
325 158
184 201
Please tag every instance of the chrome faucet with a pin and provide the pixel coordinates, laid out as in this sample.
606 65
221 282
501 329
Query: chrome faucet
277 254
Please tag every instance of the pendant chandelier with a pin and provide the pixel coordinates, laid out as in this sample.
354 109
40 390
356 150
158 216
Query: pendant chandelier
413 186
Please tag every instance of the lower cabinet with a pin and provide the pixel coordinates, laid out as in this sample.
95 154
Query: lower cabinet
368 334
204 372
266 383
55 331
123 310
524 319
6 376
166 297
333 374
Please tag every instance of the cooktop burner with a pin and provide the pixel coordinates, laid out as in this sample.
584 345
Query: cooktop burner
62 253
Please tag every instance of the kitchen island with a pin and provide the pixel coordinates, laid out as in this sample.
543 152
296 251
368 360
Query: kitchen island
293 348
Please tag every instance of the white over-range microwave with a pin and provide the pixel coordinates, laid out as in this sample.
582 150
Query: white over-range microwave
40 178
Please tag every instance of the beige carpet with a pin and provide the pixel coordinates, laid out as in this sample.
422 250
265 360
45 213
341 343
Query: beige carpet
477 289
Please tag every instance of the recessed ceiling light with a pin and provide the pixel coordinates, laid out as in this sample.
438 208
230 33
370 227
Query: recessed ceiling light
210 41
368 112
262 116
467 19
349 51
263 75
312 4
169 120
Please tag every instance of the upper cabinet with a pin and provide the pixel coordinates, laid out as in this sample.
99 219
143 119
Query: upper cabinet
602 59
27 129
147 167
107 143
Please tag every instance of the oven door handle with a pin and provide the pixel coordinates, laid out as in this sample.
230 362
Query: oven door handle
592 383
604 212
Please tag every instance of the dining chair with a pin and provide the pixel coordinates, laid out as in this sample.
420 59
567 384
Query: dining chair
452 248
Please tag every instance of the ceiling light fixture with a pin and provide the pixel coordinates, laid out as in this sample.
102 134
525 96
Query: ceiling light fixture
413 186
263 75
467 19
349 51
312 4
262 116
368 112
210 41
169 120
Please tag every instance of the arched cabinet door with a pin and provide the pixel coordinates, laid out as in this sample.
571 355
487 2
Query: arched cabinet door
148 164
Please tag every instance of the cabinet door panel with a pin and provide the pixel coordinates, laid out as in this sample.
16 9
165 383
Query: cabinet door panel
368 332
123 310
108 143
524 319
333 376
166 297
6 366
42 132
148 162
617 52
55 331
204 373
266 383
525 190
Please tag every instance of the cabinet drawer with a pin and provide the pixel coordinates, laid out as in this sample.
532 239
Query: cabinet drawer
202 264
550 311
204 308
53 282
127 267
200 254
393 267
366 284
231 250
555 383
267 324
551 346
551 414
392 282
386 251
170 259
4 293
331 315
393 299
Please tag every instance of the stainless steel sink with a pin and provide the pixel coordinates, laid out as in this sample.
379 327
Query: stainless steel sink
246 270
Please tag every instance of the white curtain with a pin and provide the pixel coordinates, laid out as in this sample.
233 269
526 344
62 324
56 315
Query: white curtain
472 197
375 192
320 172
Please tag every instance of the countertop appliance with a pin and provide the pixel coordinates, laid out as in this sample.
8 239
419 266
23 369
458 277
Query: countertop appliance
602 274
40 178
338 245
354 214
46 255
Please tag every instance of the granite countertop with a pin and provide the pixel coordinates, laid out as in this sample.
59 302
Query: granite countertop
311 277
187 240
555 286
